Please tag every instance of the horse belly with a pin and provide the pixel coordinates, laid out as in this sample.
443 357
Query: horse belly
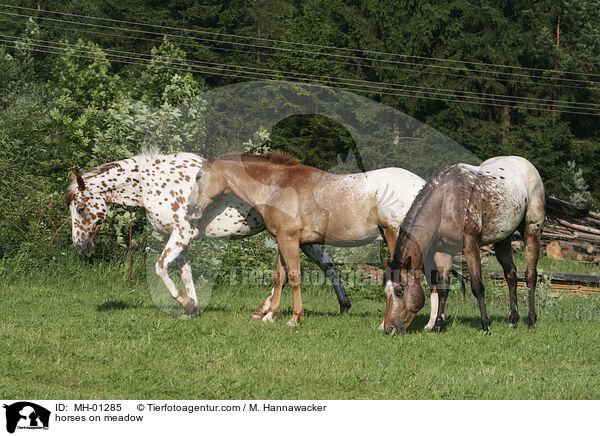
230 221
351 239
345 233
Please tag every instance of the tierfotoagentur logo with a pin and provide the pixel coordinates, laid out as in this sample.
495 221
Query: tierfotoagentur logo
26 416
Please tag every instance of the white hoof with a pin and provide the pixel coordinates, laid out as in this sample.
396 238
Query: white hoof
381 326
292 323
429 325
268 318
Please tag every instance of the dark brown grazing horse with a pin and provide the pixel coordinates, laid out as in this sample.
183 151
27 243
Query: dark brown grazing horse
465 207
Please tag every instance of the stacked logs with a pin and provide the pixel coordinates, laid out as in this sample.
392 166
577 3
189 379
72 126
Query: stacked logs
578 238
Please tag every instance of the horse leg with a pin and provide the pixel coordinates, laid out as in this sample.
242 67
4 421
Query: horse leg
327 265
443 263
434 301
274 300
458 272
185 270
531 237
431 282
472 256
391 235
169 254
503 251
264 308
290 253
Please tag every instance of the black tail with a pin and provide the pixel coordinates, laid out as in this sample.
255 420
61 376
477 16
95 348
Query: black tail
556 208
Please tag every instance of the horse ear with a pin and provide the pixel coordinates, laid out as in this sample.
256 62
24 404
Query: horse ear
80 182
210 156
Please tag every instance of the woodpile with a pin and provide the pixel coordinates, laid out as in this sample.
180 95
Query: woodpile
577 238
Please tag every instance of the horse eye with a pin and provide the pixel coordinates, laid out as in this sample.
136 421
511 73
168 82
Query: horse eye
80 210
399 292
198 177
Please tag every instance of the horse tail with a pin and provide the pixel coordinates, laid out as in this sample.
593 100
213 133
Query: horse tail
556 208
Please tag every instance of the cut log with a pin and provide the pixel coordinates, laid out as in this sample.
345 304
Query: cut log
579 227
556 277
554 250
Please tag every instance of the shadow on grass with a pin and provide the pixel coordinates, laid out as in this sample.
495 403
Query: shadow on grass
475 322
219 308
113 305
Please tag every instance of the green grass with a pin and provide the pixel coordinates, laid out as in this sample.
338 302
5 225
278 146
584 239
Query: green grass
73 330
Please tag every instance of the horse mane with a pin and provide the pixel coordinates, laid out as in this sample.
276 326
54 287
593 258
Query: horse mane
417 206
277 157
72 188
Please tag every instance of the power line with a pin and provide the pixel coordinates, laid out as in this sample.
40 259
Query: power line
276 78
279 55
375 86
308 52
299 43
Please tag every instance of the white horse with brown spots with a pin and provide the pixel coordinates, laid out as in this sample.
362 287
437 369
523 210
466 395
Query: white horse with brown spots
161 184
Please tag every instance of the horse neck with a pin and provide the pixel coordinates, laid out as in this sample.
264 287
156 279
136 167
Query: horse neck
250 181
120 184
416 239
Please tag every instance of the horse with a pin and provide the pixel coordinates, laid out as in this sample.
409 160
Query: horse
161 184
301 204
466 207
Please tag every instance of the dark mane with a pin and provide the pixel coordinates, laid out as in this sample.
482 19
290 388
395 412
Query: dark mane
417 206
277 157
72 188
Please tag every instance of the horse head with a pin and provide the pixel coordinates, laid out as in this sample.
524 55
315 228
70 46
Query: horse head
209 184
88 211
404 296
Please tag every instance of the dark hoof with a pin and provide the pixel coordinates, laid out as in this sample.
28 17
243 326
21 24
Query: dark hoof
440 324
191 308
514 319
485 323
345 307
531 319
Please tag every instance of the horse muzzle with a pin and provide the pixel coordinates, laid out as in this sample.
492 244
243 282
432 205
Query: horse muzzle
85 247
396 328
194 212
399 325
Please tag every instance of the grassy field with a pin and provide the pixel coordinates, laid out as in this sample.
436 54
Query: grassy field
73 330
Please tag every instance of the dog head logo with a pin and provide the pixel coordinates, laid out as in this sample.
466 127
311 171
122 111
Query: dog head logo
26 415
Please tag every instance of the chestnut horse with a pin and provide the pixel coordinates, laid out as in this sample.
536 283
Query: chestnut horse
161 184
304 205
466 207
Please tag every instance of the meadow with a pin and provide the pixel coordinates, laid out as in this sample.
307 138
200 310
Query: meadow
73 329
